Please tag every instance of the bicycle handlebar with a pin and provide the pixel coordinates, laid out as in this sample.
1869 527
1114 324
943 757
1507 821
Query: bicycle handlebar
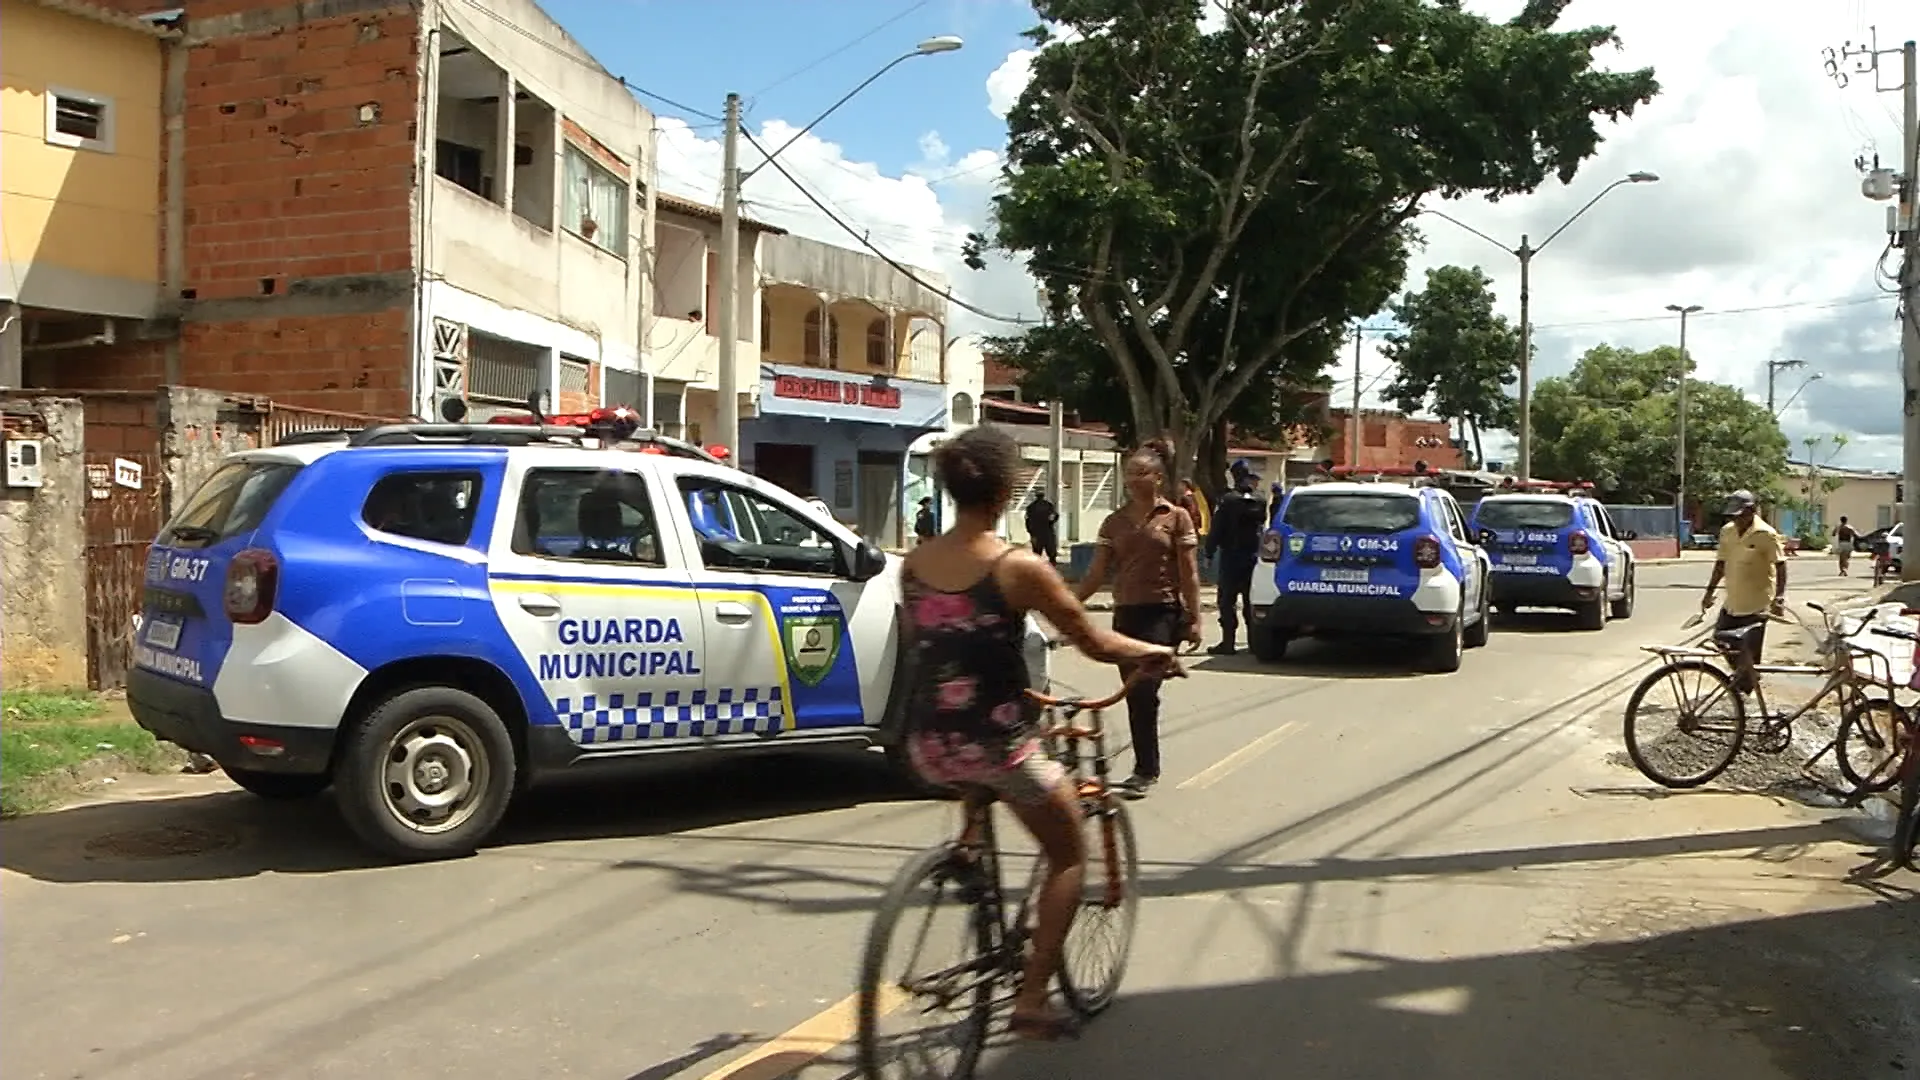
1139 676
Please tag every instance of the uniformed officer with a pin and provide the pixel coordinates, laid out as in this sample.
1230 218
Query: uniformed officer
1237 524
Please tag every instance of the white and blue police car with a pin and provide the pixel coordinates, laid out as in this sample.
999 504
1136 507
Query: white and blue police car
1379 553
1555 546
429 617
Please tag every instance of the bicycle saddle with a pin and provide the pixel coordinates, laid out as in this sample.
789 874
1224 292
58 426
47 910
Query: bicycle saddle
1735 637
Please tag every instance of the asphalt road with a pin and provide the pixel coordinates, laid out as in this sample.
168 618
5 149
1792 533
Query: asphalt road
1350 871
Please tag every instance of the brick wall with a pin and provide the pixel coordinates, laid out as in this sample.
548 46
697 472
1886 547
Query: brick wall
301 123
346 363
300 152
123 365
1391 441
571 401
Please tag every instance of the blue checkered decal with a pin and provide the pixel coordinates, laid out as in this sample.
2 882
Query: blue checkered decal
672 714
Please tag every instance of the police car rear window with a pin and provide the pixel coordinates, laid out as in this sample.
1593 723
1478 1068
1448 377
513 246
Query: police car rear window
1517 514
1352 512
234 500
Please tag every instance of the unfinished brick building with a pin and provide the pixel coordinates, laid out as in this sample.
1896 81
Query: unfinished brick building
371 204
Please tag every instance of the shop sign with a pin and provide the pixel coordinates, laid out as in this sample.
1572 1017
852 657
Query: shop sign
835 391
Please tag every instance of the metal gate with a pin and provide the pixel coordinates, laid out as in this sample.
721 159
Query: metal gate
126 505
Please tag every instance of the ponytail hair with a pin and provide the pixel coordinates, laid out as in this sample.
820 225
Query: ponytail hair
1160 452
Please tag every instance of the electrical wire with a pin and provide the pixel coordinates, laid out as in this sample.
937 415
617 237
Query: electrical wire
905 270
796 73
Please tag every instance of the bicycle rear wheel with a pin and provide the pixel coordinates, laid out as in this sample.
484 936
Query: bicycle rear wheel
1709 722
1906 827
1873 740
956 993
1094 960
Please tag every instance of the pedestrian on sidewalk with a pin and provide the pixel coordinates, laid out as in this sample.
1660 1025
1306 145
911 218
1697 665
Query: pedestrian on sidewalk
1152 550
1235 535
1753 562
1043 527
1843 539
924 526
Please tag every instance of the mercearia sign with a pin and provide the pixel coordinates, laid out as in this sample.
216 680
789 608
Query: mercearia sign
835 391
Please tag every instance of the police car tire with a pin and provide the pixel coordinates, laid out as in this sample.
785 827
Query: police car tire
1267 646
1623 607
1444 650
1476 635
1593 614
358 779
270 785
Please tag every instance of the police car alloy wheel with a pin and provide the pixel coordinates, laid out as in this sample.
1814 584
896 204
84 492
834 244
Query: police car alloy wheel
427 774
1623 607
1445 650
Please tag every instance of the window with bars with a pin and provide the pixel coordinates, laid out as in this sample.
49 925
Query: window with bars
621 387
595 204
78 120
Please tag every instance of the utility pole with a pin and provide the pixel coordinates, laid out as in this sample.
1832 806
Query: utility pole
728 407
1680 412
1353 420
1775 367
1903 224
1526 252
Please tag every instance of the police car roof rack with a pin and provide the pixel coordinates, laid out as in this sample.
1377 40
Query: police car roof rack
1550 487
1384 473
316 435
465 435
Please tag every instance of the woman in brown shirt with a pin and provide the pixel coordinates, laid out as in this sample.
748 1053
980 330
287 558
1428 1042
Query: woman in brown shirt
1149 546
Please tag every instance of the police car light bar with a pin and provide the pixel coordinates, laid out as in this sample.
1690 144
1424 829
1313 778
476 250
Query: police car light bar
1555 485
1384 470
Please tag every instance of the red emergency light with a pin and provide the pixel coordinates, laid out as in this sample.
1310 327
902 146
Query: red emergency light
1555 485
607 422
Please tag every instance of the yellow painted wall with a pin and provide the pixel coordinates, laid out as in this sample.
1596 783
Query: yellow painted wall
788 309
80 210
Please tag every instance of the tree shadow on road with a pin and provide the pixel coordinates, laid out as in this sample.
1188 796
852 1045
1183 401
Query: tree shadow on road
231 834
1809 997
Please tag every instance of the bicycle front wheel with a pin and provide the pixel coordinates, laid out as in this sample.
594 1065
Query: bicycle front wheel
1101 938
930 908
1685 724
1873 739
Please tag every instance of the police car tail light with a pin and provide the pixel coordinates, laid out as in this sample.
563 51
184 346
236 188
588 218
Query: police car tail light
1577 543
251 578
1426 553
1270 546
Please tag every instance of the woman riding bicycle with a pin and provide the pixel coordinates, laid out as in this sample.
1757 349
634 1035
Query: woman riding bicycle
970 723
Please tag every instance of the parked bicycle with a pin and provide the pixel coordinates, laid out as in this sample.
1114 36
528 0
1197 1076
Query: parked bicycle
1709 720
1897 745
993 932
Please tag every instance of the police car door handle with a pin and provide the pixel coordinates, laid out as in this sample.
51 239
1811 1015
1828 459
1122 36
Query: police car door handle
729 612
539 604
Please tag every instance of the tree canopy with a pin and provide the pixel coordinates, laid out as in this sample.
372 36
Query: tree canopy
1199 200
1454 355
1612 421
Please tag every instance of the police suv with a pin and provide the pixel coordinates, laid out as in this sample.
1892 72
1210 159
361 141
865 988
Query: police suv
1554 545
1385 556
429 616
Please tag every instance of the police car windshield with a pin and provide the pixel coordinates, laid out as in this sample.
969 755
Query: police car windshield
1352 512
1525 514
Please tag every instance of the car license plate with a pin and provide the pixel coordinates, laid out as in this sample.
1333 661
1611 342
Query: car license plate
1356 577
163 633
1520 560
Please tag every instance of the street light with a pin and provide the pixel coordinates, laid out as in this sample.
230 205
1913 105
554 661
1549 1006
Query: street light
1804 383
1525 254
1775 367
1680 448
731 179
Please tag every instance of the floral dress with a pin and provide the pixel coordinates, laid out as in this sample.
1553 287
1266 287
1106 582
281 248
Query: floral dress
970 721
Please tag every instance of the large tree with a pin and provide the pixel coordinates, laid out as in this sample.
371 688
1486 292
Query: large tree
1454 354
1203 198
1612 421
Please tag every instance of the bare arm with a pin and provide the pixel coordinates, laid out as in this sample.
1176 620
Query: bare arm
1032 584
1187 566
1096 575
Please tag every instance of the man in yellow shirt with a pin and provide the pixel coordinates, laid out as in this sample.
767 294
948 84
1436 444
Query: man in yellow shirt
1753 562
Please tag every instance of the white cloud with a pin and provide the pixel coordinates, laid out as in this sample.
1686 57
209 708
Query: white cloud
1758 206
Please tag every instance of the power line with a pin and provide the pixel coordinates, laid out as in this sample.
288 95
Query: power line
796 73
1842 302
908 271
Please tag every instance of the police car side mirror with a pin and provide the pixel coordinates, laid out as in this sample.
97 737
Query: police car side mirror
1485 537
1629 535
868 562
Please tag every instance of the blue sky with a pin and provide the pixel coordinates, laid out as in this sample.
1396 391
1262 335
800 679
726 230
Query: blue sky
1757 216
784 57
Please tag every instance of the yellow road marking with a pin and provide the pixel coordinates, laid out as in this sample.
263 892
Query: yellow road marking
807 1041
1217 771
